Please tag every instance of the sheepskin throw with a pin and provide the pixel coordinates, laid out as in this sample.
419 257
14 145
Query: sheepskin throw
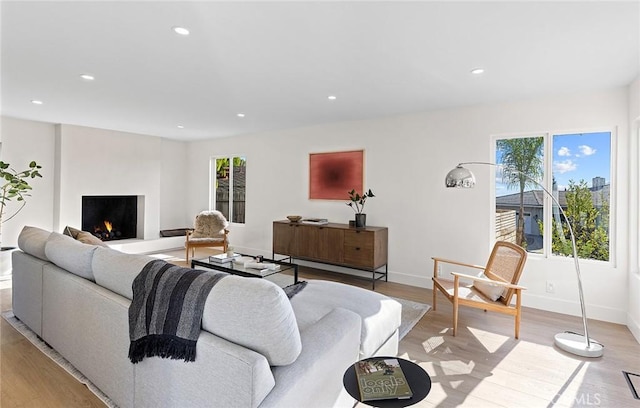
165 314
209 224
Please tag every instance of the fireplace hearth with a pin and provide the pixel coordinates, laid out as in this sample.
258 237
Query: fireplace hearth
110 217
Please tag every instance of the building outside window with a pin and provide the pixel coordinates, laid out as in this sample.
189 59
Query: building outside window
228 188
580 168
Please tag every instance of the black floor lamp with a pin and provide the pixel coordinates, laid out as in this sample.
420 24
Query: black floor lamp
571 342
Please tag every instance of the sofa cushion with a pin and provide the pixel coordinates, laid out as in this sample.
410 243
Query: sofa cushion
256 314
88 238
116 270
490 290
71 232
70 254
83 236
32 240
379 313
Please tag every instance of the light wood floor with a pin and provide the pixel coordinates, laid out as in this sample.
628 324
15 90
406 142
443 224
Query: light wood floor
482 366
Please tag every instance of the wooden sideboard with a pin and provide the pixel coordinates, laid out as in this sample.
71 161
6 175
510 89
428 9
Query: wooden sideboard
334 244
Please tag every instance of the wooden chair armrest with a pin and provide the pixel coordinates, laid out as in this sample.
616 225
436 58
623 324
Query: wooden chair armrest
456 263
499 283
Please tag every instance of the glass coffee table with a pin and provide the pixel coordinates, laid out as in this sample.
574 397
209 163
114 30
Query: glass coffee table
277 276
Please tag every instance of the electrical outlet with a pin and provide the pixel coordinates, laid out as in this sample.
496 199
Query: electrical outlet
439 270
551 288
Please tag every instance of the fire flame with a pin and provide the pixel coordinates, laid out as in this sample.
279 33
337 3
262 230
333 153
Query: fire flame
108 225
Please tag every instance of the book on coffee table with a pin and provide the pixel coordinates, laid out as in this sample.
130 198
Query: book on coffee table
381 378
223 258
262 270
252 265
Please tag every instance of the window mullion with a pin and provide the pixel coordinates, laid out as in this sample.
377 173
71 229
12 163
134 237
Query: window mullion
548 201
231 171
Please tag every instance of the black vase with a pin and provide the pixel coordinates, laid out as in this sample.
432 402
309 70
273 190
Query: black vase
361 220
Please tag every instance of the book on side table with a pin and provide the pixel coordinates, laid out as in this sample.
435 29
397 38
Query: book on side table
381 378
315 221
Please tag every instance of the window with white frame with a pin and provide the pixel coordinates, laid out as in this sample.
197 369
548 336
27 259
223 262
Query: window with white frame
228 188
576 169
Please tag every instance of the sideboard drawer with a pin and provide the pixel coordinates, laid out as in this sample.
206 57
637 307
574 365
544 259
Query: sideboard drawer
359 256
362 239
358 248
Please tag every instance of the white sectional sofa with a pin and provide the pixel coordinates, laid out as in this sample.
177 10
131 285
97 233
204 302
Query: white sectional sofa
257 348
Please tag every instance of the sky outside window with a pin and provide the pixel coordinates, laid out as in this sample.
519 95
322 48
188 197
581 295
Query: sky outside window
577 156
581 156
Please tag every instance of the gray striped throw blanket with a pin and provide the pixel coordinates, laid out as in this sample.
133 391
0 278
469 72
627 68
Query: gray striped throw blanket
165 314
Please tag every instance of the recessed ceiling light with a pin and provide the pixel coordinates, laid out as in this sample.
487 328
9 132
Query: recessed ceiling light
477 71
240 115
180 30
180 127
87 77
332 97
36 102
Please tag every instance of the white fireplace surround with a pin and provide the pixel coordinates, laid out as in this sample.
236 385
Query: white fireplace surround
79 161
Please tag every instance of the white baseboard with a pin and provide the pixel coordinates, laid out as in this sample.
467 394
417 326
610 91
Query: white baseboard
412 280
634 327
572 308
542 303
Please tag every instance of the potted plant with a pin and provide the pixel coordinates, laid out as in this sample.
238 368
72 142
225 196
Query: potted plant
15 185
357 203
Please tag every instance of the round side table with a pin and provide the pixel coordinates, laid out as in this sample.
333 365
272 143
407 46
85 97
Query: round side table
418 380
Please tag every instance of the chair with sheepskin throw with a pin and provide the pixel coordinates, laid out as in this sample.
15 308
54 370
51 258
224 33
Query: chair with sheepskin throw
210 231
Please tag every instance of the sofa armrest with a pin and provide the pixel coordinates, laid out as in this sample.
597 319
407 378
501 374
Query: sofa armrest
27 289
224 374
329 347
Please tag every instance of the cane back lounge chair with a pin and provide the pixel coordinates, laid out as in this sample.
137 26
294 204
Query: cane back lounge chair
491 291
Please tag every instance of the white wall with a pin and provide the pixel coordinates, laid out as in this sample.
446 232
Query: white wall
81 161
24 141
407 158
173 186
633 318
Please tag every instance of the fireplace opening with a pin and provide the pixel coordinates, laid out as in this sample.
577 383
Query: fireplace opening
110 217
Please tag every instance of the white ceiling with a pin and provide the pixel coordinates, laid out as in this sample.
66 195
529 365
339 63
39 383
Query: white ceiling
278 61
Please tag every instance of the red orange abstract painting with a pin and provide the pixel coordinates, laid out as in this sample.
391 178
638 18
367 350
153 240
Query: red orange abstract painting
333 175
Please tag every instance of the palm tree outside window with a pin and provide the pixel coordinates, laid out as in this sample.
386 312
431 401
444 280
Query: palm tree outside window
579 165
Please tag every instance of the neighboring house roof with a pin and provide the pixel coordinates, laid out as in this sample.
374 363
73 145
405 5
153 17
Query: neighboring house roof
535 198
